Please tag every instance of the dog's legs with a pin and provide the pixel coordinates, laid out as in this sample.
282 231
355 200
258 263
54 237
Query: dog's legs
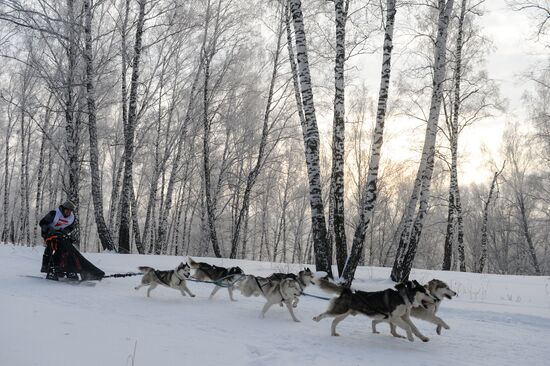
322 316
392 328
414 329
151 288
139 286
393 331
373 325
402 324
216 289
335 322
230 290
185 288
289 307
439 322
266 308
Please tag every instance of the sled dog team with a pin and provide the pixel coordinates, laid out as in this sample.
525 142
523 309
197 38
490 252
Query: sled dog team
393 305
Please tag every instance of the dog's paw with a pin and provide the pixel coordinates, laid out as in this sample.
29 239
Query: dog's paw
335 334
296 320
193 295
375 332
425 339
316 319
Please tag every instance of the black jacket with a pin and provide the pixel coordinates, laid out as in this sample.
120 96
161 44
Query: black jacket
46 230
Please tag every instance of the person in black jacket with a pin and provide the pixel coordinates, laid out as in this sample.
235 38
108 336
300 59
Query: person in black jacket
60 257
56 228
60 221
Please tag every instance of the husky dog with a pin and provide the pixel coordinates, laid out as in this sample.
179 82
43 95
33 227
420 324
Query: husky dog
304 278
439 290
221 275
286 290
390 304
174 278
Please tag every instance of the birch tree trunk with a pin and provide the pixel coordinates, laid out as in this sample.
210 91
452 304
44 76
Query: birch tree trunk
337 196
72 122
162 233
454 222
6 198
323 256
483 245
253 174
210 198
24 170
97 191
370 190
129 131
40 174
413 219
527 234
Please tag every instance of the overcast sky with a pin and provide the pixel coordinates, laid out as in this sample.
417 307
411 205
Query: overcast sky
515 52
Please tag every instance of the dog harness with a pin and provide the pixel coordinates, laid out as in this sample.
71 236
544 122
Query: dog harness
261 286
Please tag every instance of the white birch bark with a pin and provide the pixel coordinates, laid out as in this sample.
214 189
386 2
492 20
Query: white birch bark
97 191
72 122
455 220
337 193
124 242
311 143
484 239
417 207
370 189
253 174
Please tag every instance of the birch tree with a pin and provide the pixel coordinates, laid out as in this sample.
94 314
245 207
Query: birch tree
97 191
370 190
337 194
262 149
129 130
411 227
323 256
483 241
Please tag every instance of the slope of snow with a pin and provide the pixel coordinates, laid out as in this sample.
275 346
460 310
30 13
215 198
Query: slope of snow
496 320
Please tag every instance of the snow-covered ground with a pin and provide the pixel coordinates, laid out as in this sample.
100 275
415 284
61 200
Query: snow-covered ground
496 320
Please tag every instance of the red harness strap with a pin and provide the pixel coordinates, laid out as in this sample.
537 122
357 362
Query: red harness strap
52 242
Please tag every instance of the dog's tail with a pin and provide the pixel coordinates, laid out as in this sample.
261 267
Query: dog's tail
145 269
192 263
328 286
247 286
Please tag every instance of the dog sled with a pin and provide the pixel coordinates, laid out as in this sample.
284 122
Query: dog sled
62 260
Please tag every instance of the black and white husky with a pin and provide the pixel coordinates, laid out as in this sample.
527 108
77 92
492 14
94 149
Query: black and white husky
304 278
392 305
439 290
174 278
275 291
226 277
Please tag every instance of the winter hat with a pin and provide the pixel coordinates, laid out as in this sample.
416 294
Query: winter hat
68 205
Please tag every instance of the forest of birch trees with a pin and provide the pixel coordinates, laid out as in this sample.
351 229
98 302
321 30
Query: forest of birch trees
249 129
